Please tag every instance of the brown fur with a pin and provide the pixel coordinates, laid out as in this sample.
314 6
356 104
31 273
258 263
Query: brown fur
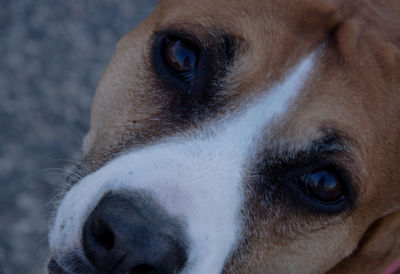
356 89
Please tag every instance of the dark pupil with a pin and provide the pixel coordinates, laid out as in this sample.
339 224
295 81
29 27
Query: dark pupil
181 57
324 186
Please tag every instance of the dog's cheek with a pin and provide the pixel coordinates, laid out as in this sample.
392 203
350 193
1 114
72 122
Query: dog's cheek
315 252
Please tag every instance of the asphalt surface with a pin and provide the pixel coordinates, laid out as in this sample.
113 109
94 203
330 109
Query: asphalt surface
52 54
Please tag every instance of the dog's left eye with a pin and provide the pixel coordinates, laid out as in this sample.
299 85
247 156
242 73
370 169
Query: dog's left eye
181 57
323 185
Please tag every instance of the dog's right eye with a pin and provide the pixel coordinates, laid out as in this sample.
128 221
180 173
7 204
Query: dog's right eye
181 58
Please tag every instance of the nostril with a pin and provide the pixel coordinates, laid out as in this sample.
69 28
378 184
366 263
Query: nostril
128 233
99 241
143 269
98 235
102 234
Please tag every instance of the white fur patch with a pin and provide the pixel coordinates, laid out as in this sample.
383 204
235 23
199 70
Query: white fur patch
195 176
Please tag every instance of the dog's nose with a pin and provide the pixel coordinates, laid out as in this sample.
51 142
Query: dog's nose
130 233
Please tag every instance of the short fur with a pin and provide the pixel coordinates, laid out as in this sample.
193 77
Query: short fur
354 93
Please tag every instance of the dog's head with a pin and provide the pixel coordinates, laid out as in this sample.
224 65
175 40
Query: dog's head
241 137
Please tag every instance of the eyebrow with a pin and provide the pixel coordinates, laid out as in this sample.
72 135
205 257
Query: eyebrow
334 140
333 146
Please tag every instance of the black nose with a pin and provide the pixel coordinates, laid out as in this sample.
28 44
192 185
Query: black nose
129 233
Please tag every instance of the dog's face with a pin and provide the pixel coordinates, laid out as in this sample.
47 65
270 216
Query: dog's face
237 137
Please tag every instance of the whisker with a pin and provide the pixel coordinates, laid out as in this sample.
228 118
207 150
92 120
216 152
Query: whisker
62 160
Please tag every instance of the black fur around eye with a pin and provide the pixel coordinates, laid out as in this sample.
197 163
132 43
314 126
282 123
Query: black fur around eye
181 57
188 71
323 185
317 180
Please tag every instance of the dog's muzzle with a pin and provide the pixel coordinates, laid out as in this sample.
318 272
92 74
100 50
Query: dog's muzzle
128 232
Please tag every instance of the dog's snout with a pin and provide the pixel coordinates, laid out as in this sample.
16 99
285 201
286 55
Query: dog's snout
129 233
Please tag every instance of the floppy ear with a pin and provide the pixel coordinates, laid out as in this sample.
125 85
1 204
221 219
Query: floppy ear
328 13
378 248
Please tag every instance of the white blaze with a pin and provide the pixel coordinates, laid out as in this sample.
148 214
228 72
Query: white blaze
196 177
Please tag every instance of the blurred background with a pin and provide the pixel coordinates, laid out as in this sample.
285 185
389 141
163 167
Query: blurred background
52 54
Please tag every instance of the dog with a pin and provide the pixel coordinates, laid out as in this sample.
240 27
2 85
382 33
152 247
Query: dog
242 137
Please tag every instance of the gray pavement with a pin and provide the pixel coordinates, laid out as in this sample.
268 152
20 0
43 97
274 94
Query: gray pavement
52 54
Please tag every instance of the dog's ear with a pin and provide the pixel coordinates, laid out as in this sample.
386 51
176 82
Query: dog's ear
378 248
354 23
326 13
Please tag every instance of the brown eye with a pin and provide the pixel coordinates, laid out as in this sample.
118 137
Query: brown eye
181 57
323 185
